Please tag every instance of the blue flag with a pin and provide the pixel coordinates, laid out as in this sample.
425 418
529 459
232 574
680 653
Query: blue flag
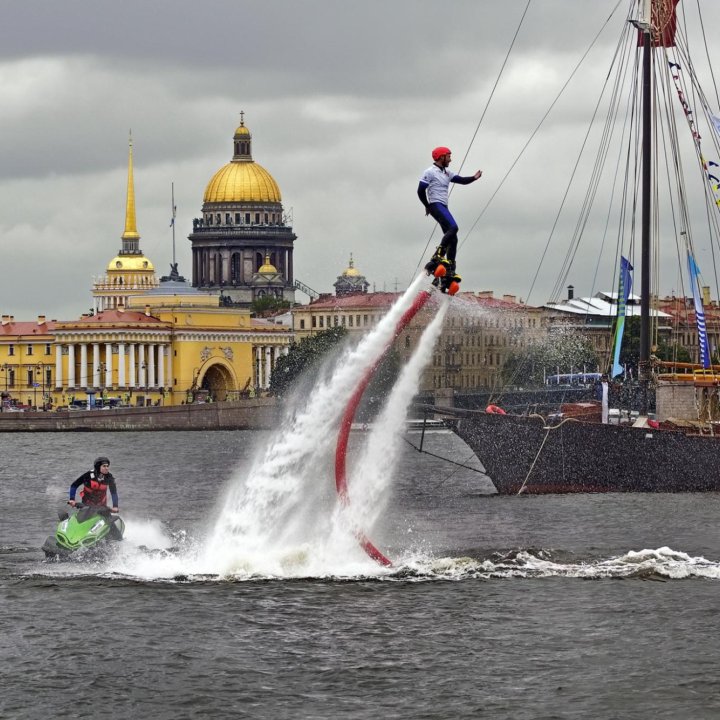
624 288
699 312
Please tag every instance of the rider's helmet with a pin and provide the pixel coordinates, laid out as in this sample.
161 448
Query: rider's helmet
438 152
100 461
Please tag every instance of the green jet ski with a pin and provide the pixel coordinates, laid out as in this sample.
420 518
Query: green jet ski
89 527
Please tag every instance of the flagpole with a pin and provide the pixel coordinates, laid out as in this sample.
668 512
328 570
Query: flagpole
646 182
172 192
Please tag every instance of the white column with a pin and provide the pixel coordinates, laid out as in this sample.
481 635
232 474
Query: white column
142 366
133 372
83 365
268 366
151 365
161 365
71 365
58 366
170 380
122 380
108 365
259 352
96 364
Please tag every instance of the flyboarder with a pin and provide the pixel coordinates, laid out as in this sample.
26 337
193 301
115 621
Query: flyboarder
433 194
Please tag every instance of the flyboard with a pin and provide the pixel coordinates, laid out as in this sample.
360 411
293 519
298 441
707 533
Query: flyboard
349 415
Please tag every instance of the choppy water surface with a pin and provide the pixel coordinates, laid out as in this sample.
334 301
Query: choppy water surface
502 607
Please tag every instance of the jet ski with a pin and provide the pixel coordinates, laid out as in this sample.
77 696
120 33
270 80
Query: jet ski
87 528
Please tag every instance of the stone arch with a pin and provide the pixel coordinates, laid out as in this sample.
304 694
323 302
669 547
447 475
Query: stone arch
218 378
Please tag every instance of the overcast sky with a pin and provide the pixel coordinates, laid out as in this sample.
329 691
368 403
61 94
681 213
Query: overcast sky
345 100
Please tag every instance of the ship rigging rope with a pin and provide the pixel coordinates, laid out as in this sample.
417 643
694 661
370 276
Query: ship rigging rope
542 121
547 429
684 73
445 459
620 62
477 128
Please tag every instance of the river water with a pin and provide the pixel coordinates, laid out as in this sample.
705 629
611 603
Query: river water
241 590
585 606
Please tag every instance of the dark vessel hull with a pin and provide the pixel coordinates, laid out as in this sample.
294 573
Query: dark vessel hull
520 454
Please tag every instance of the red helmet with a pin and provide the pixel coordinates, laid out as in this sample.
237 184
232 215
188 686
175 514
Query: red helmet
438 152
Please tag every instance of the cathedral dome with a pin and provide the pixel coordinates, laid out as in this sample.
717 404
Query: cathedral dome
242 181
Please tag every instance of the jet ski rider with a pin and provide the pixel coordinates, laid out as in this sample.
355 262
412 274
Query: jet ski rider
95 484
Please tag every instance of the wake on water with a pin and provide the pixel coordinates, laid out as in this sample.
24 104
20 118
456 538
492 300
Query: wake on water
282 519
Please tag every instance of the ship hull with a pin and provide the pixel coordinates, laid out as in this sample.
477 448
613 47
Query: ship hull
520 454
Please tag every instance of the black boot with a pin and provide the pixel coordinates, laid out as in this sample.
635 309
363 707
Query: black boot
437 259
450 277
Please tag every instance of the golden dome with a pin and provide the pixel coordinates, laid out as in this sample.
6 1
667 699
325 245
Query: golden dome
268 267
351 271
242 182
130 263
242 130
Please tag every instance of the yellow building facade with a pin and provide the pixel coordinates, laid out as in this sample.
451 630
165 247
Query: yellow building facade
148 342
478 335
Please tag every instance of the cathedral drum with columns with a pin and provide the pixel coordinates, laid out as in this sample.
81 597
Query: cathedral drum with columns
241 245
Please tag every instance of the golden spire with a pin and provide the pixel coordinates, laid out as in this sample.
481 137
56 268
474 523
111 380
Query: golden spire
131 232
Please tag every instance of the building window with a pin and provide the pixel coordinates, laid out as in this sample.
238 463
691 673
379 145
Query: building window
247 218
48 349
266 218
29 349
336 320
11 349
350 320
48 377
237 218
257 218
322 321
302 324
30 378
314 321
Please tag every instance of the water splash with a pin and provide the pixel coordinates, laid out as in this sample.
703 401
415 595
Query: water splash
372 474
282 510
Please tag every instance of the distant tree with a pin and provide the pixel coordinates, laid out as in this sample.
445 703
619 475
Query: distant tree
630 350
302 356
268 305
560 352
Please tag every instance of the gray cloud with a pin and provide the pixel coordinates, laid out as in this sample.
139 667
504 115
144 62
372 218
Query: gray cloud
344 100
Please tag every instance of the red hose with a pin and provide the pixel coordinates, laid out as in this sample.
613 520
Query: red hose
349 415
